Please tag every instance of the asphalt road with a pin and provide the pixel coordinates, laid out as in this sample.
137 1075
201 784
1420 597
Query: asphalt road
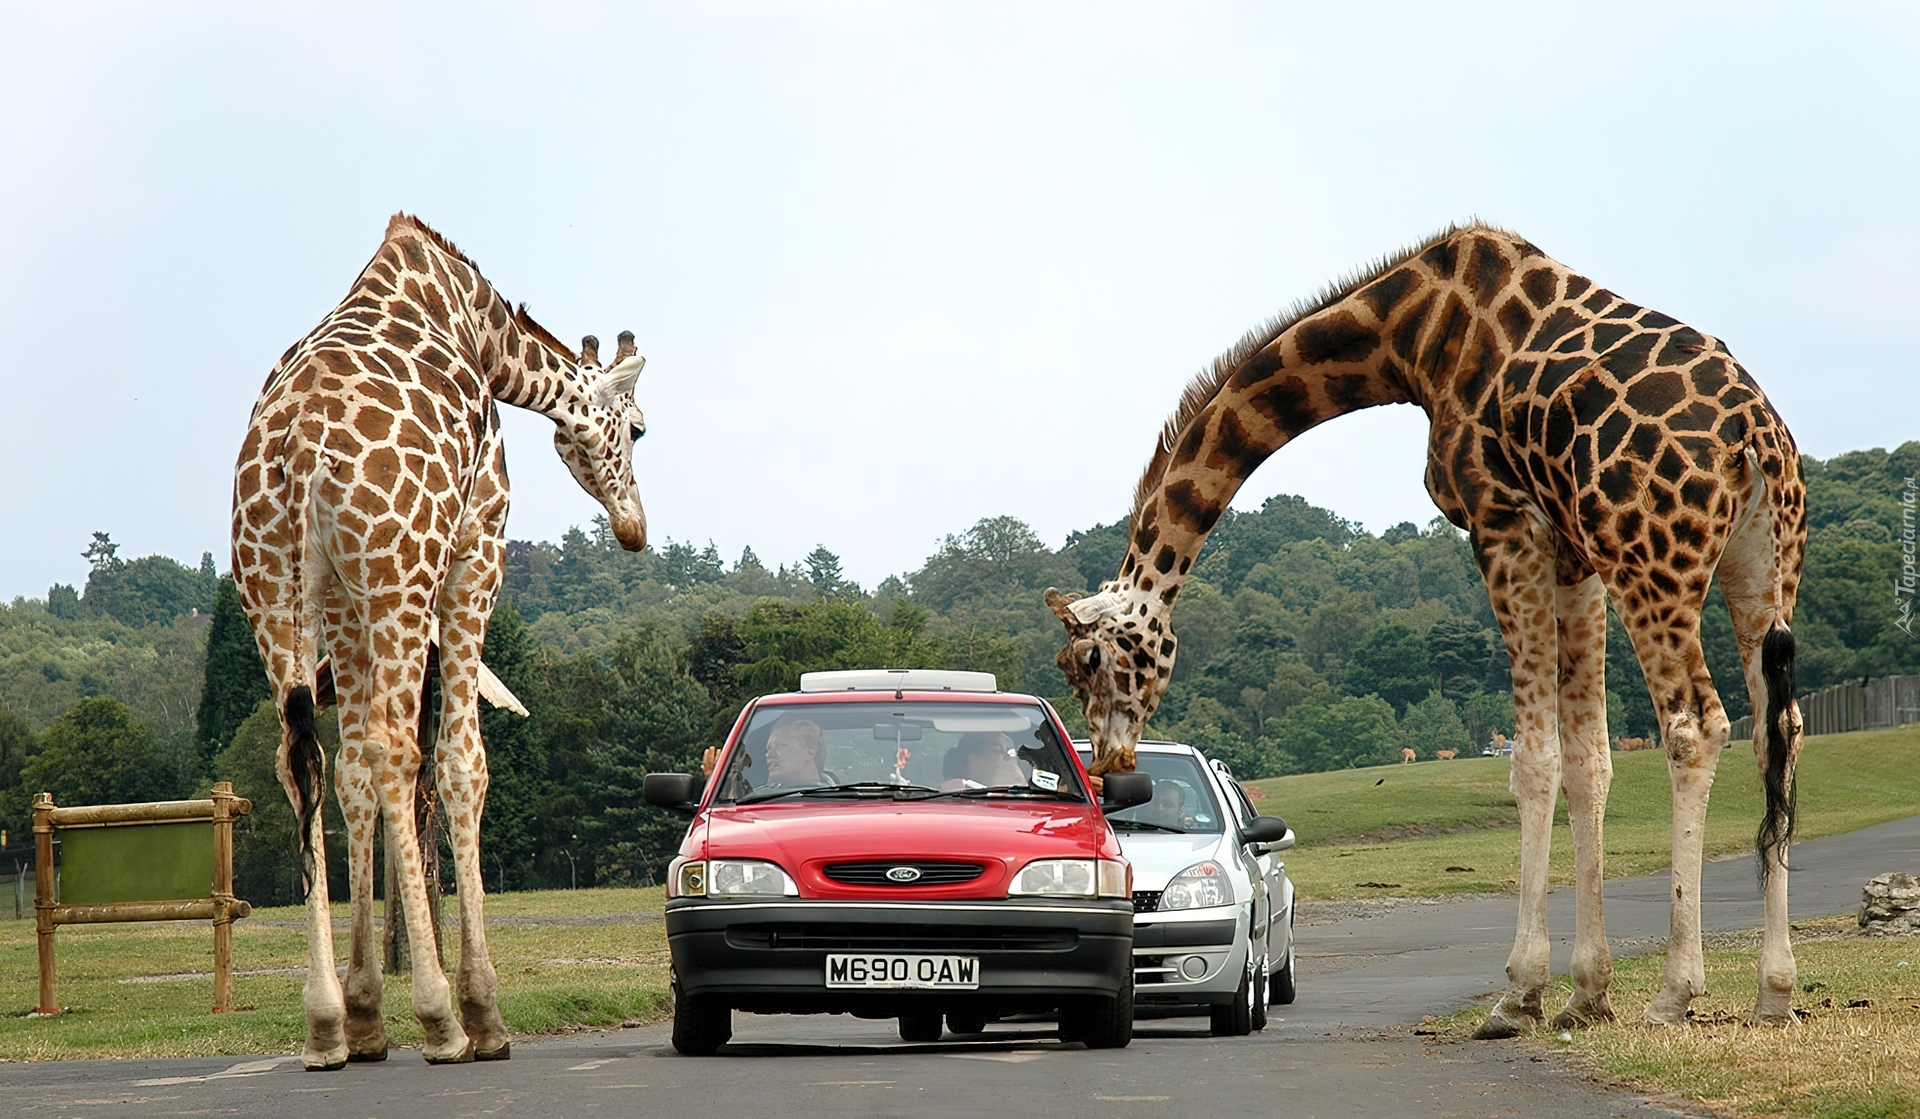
1363 972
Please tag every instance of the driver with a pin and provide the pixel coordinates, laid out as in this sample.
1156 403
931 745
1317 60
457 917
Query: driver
982 760
796 752
1169 804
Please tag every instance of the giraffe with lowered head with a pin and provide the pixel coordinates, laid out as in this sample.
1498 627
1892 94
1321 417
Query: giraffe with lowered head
1593 450
369 517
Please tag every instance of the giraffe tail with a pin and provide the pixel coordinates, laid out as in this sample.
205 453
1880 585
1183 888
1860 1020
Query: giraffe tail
1781 787
308 765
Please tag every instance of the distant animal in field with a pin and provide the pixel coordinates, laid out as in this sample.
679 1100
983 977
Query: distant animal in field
1254 792
1625 744
1446 755
1406 755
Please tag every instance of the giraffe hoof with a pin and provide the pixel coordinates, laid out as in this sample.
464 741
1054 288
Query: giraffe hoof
379 1054
463 1056
1778 1021
1498 1027
323 1062
504 1053
1571 1019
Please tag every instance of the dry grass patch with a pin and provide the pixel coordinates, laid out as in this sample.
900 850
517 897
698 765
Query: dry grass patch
1855 1054
144 989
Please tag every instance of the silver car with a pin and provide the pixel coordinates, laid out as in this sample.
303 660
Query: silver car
1212 905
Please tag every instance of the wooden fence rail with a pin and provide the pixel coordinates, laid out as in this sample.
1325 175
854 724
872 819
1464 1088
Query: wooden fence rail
1873 703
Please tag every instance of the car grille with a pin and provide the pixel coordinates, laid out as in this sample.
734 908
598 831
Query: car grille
1146 901
931 874
821 937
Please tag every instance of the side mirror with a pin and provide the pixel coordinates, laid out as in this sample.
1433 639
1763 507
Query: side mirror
678 792
1269 830
1124 790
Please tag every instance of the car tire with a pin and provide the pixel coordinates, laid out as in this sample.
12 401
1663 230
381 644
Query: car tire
1101 1022
1259 986
1235 1019
966 1022
920 1028
700 1025
1280 990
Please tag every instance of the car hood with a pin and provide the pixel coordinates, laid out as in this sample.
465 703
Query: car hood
1001 836
1158 856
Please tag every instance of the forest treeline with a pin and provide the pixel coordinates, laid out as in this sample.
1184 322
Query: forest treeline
1305 644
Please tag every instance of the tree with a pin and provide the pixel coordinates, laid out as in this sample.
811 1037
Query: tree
1491 713
1433 725
17 744
1459 648
97 754
235 681
1391 663
823 571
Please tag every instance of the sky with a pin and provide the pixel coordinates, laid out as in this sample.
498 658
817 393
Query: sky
899 267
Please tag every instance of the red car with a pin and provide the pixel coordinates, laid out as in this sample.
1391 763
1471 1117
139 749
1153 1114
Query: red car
901 844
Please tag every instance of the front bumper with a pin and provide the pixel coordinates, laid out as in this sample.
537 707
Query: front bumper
771 955
1167 944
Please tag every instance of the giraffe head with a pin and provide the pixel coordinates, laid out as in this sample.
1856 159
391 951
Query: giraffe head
596 440
1118 658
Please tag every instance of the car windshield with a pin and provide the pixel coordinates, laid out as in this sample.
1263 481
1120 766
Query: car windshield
1183 799
899 750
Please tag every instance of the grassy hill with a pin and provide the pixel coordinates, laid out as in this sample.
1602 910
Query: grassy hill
1405 831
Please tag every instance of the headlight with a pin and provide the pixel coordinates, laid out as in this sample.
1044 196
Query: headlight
1074 878
1197 887
734 878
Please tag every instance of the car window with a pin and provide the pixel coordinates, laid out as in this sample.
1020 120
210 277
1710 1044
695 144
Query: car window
937 747
1183 797
1242 807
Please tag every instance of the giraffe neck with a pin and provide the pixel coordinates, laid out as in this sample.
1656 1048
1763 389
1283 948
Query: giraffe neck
1428 330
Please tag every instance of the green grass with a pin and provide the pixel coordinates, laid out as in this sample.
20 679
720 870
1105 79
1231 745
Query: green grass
552 977
1855 1054
1420 819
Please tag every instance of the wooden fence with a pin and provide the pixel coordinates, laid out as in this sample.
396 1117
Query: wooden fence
166 861
1873 703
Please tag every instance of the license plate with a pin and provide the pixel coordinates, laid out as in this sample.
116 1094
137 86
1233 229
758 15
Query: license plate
943 973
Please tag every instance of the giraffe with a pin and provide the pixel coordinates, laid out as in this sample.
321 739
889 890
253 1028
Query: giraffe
369 512
1593 450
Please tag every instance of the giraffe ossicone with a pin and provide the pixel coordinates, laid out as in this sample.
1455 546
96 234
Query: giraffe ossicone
1595 452
369 520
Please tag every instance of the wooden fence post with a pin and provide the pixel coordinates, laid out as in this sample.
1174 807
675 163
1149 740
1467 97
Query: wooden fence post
43 896
223 806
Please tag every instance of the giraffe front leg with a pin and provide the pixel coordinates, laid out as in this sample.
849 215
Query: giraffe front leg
1520 580
463 790
1586 762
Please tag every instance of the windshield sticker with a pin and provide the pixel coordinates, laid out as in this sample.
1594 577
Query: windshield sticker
1045 780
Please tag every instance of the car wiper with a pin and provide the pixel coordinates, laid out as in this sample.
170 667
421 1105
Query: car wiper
873 787
1007 791
1146 824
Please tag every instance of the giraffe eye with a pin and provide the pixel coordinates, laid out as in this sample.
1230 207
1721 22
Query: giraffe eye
1092 659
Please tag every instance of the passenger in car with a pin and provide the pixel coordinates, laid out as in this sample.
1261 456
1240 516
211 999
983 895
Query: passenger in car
796 753
981 760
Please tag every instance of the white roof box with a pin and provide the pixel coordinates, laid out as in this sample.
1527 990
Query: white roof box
899 680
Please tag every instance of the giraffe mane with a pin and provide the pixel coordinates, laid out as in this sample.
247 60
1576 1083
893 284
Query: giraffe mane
404 222
1202 390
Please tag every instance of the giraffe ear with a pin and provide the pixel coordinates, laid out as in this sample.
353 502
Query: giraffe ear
617 380
1060 604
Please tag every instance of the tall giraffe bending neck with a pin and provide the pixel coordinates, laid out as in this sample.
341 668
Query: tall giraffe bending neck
1595 451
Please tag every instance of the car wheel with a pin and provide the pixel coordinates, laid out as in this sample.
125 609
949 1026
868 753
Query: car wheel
1280 986
1101 1023
920 1028
966 1022
1259 990
700 1025
1235 1019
